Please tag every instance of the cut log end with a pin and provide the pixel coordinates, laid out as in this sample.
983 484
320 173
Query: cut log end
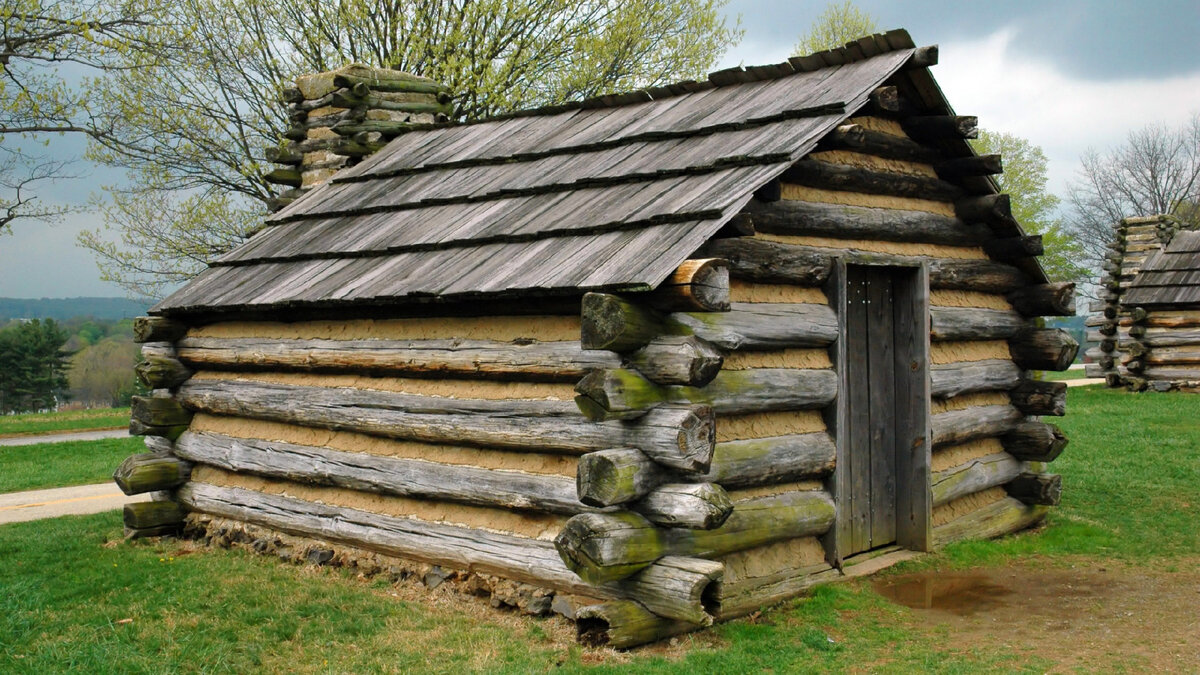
1036 489
147 472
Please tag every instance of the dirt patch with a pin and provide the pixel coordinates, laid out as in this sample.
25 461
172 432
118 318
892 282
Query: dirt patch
1089 615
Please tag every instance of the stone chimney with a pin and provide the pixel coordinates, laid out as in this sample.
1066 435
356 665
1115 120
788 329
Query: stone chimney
341 116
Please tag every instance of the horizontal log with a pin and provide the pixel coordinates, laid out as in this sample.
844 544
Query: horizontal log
760 326
844 137
608 546
148 471
686 435
953 379
1014 248
1034 441
749 596
1186 355
685 360
351 98
158 411
383 475
625 623
1003 517
1171 337
1040 397
957 168
994 210
1172 373
617 476
930 128
281 176
697 285
978 474
959 426
971 323
146 515
161 372
1054 299
774 262
1044 489
828 176
793 217
1043 349
157 329
699 506
683 589
1176 319
554 361
623 393
615 324
884 100
408 85
1095 369
923 57
139 428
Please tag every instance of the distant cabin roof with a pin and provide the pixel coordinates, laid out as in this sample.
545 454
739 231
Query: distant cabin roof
1170 276
608 194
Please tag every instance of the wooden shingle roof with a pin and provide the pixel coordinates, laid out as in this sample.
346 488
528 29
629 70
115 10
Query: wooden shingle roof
1170 276
609 194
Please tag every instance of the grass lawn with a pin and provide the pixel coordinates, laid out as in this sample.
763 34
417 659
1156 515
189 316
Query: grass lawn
76 597
47 465
1059 375
70 420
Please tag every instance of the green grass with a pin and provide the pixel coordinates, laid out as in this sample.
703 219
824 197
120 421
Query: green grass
1132 491
1060 375
70 420
46 465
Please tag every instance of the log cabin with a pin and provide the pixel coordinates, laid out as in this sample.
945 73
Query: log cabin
649 360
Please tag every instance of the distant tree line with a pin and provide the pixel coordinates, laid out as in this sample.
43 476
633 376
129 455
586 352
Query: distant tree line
33 366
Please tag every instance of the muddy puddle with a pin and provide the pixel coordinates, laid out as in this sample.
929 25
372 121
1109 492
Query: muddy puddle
962 594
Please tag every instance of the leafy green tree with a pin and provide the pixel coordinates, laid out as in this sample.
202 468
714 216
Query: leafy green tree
195 126
102 374
1024 179
840 23
32 366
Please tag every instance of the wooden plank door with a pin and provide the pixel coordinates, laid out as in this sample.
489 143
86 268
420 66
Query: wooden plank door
881 481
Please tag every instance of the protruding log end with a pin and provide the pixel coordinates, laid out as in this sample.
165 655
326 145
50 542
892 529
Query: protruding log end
700 285
679 588
616 393
1054 299
692 437
611 323
161 372
1034 442
1043 349
1138 314
603 547
995 211
1039 397
157 329
683 360
147 472
617 476
923 57
152 519
1014 248
965 167
885 100
159 411
621 624
696 506
1036 489
932 128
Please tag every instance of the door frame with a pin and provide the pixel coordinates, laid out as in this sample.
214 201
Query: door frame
913 481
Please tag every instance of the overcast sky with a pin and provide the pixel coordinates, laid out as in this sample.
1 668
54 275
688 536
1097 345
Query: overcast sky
1066 74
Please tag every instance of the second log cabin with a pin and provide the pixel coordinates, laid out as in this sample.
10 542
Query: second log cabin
660 358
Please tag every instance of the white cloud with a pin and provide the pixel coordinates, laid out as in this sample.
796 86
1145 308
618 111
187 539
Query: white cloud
1010 91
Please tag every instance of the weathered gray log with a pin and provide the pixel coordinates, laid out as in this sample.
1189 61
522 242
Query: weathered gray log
760 326
827 176
683 589
844 137
1054 299
1167 337
970 323
1034 441
1043 349
609 546
615 324
1003 517
1043 489
281 176
158 444
1039 397
147 472
697 285
1013 248
747 596
964 167
624 623
562 361
159 372
952 379
146 515
384 475
931 128
157 329
959 426
139 428
685 360
158 411
923 57
995 211
617 476
773 262
624 394
683 436
793 217
1183 355
699 506
1172 373
390 84
978 474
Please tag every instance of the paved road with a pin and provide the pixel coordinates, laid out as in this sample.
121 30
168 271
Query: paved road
17 507
60 438
1084 382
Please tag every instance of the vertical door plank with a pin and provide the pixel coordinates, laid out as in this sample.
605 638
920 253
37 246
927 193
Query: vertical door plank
858 430
880 356
913 449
